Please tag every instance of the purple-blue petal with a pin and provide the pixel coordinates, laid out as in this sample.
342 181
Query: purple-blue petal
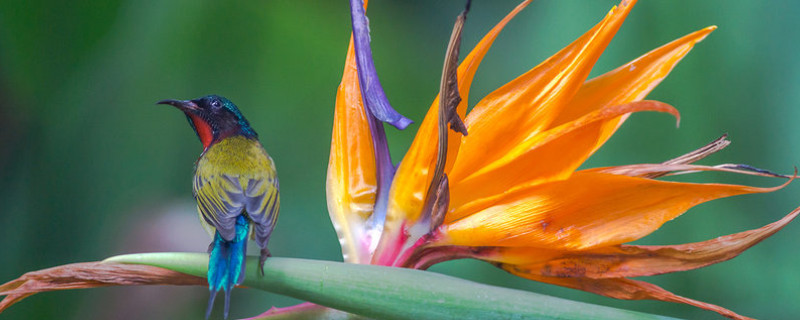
385 173
371 90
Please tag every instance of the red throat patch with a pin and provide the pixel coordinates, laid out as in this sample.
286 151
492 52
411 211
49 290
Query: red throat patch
203 130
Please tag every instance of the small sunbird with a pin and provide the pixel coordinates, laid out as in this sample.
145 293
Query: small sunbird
236 188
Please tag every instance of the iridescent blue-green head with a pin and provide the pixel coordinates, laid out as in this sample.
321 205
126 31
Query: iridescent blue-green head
213 118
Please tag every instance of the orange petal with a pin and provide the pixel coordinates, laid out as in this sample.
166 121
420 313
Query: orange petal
632 81
586 211
527 105
412 179
621 288
625 261
551 155
351 183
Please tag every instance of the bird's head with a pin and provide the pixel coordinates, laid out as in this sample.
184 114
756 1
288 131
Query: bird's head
213 118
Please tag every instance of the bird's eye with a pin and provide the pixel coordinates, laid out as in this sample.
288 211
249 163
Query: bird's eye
216 104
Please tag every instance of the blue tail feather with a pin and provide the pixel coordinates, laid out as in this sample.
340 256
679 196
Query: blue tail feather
226 264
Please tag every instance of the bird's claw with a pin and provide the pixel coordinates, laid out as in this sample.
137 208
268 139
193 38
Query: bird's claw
264 255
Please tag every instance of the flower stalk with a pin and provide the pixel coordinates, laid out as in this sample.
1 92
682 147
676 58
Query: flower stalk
367 290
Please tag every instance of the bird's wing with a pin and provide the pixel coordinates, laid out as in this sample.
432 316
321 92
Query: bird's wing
220 199
262 204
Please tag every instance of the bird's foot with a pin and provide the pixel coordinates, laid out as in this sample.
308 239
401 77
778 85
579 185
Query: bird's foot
264 255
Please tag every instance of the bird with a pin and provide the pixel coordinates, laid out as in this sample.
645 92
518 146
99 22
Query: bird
236 189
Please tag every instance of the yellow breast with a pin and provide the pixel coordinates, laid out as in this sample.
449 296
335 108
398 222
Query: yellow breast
236 156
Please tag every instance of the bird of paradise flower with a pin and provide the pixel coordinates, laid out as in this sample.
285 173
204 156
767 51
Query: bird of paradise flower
506 188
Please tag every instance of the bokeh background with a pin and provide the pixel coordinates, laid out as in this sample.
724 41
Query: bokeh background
90 167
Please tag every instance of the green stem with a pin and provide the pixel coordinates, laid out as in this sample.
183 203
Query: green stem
391 293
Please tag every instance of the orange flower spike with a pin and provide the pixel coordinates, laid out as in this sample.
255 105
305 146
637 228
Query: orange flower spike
567 144
532 162
528 104
587 211
414 173
351 182
631 81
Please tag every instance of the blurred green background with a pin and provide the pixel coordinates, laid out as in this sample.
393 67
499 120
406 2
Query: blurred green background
92 168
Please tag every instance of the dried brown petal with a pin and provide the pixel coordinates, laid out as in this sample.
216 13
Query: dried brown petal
704 151
655 170
621 288
438 195
90 275
683 165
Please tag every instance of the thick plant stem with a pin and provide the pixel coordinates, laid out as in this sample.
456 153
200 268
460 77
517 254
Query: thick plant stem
391 293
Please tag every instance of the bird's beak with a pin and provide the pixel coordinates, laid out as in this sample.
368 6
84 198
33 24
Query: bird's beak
184 105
